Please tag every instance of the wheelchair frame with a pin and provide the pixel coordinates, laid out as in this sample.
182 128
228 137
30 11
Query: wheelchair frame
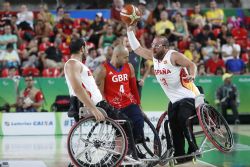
208 126
141 148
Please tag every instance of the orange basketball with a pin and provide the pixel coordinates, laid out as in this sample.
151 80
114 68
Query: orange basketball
130 14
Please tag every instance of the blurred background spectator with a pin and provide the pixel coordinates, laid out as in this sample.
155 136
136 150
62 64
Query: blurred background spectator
227 97
30 99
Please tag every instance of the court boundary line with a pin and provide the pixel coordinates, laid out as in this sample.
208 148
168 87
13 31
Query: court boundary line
206 163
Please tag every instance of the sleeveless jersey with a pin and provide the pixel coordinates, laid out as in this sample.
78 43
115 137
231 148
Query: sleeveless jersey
170 79
117 90
88 83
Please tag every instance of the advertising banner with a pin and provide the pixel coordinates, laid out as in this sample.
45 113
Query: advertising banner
28 124
153 97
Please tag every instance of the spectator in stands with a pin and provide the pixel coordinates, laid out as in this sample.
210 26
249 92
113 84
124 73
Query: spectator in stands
30 99
157 11
181 28
96 29
9 57
176 8
192 53
219 71
234 22
227 97
230 49
207 51
53 56
201 70
202 38
59 14
196 19
65 26
29 56
171 37
25 18
6 14
108 51
215 16
107 38
13 73
147 37
116 8
163 24
144 13
214 63
93 60
222 37
45 15
42 29
7 37
235 65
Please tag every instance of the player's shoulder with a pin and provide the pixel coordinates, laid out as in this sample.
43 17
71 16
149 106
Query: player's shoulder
73 62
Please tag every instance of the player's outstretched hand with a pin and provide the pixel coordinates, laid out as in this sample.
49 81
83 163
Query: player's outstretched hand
190 78
98 115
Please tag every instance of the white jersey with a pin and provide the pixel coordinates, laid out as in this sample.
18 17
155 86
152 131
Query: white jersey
88 83
170 79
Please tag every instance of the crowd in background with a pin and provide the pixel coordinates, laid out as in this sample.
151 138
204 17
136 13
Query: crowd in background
37 42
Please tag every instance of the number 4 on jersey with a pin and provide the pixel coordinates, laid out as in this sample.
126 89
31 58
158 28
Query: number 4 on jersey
122 88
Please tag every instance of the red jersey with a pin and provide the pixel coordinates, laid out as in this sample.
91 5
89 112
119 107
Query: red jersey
117 89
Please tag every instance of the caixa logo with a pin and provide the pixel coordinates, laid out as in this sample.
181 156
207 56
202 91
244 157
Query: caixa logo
43 123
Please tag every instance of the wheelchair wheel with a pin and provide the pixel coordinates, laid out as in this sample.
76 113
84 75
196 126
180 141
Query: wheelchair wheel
97 144
215 128
150 147
166 139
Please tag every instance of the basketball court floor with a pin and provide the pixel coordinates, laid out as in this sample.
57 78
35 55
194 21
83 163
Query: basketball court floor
51 151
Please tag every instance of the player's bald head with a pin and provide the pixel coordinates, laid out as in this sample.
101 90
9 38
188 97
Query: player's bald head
120 55
120 50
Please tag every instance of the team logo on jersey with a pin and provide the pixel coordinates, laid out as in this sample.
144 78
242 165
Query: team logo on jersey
120 78
110 73
162 71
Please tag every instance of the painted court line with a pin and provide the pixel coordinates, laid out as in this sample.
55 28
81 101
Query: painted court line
22 163
206 163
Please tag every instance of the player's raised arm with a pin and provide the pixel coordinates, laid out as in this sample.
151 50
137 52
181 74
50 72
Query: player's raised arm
136 46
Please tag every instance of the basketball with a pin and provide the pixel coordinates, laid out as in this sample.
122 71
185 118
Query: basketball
130 14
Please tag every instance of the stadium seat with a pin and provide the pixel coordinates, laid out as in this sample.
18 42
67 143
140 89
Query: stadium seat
64 48
51 72
5 73
30 71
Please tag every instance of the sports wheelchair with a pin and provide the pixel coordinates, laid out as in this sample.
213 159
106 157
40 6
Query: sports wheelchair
213 128
105 143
